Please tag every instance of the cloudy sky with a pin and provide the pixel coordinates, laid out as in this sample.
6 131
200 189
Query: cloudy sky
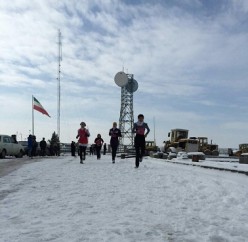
190 58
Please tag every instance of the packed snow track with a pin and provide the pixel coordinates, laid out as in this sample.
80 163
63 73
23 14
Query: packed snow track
59 199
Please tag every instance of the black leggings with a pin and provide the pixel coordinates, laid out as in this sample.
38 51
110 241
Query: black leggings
114 150
82 151
139 143
98 151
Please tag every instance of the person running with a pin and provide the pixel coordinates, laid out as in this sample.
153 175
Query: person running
98 141
83 135
139 129
115 133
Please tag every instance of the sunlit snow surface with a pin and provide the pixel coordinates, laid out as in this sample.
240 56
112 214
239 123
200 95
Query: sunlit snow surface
58 199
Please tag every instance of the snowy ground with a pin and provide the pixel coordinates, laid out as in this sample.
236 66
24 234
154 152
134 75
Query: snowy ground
61 200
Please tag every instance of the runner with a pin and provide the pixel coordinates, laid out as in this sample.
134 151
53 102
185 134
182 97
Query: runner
83 135
98 141
115 133
139 140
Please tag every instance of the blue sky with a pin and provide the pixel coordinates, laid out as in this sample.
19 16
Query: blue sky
189 58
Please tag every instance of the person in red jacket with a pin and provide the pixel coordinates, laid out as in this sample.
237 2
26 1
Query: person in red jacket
98 141
83 135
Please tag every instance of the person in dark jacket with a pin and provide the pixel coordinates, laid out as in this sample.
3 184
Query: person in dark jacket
98 141
104 148
34 146
141 130
115 133
43 145
30 145
73 148
91 150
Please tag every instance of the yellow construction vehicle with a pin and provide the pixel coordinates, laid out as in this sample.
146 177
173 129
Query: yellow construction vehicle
180 141
206 148
243 148
150 146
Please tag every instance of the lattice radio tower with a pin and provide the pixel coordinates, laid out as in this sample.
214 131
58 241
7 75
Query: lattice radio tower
128 86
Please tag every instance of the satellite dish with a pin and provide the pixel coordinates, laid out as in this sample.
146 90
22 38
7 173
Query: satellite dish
121 79
132 85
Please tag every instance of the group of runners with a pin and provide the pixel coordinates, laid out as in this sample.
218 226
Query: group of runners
140 128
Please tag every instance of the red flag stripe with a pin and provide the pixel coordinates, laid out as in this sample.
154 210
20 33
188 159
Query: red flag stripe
41 110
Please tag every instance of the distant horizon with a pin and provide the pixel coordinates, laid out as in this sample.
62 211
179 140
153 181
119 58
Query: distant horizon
108 143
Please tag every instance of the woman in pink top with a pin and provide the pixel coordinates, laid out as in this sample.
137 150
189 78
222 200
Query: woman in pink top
141 130
83 135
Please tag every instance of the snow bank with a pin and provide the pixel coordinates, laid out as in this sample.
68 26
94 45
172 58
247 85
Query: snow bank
221 163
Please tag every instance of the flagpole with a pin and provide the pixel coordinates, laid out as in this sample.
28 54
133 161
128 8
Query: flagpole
32 114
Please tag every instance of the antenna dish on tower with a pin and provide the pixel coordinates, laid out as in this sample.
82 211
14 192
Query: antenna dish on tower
132 85
121 79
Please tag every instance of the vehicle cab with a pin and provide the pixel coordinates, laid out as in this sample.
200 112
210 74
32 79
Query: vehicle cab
9 146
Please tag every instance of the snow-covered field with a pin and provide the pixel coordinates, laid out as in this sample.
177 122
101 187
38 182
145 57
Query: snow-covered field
60 200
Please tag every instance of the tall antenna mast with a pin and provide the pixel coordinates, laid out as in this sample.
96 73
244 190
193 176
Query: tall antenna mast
58 79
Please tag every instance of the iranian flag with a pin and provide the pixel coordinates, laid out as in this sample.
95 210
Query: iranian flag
38 107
